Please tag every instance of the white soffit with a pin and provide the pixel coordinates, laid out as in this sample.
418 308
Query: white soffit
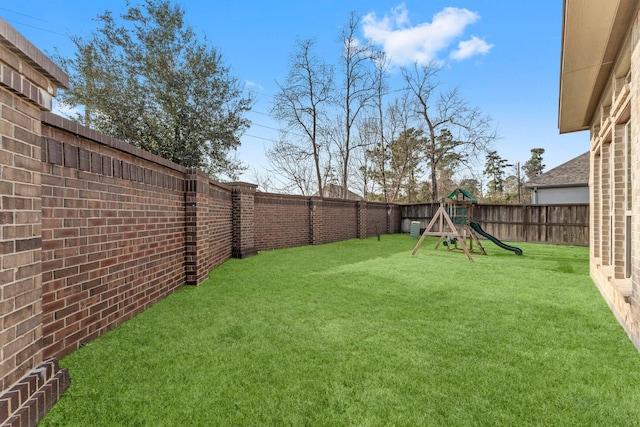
592 35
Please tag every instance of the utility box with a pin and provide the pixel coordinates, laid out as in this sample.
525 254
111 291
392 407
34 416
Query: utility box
415 229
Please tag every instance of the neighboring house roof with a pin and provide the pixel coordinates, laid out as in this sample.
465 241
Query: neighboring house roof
574 173
333 191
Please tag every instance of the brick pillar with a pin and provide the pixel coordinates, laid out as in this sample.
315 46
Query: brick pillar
196 211
618 197
362 220
242 198
315 221
595 209
28 82
605 194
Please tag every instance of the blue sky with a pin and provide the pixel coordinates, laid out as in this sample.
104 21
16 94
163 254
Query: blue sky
503 55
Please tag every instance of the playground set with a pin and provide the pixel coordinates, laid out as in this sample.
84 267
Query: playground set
453 223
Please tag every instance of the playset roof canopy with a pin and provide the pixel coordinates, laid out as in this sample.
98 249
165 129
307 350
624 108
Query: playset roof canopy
455 194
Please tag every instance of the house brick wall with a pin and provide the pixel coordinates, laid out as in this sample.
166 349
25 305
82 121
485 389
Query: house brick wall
634 87
595 203
611 258
605 202
618 195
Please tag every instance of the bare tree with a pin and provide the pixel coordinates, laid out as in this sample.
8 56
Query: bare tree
469 129
356 91
381 67
396 160
263 180
294 164
367 134
303 99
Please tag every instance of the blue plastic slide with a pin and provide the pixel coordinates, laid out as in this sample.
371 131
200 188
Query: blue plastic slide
480 231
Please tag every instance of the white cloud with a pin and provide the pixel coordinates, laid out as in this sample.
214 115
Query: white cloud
252 84
468 48
406 43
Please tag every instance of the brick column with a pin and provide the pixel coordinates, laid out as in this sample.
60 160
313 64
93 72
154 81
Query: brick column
362 220
244 244
315 221
595 211
196 211
618 195
28 82
605 208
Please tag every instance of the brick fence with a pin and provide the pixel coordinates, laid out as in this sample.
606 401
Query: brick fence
28 82
94 231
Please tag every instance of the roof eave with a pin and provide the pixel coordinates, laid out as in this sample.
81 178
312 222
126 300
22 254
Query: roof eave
592 35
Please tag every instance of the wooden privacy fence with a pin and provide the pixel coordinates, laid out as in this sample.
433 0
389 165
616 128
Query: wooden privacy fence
556 224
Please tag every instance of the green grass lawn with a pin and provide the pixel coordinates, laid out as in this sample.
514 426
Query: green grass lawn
362 333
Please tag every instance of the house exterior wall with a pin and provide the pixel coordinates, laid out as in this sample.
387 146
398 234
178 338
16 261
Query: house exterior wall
564 195
615 188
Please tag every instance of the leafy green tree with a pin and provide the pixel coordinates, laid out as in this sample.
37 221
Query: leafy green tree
472 185
146 79
534 166
494 170
512 191
404 167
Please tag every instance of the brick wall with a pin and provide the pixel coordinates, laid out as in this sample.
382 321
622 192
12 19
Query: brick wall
283 221
339 220
209 229
618 195
219 230
243 214
377 219
113 234
28 81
